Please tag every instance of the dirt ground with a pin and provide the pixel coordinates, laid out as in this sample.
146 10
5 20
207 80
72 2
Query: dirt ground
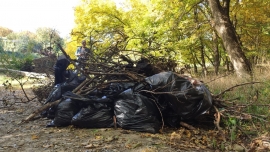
34 136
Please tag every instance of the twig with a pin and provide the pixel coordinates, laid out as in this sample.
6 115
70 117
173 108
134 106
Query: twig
21 85
266 105
187 125
219 103
132 76
114 122
218 78
45 107
217 118
227 100
80 86
244 132
252 115
231 88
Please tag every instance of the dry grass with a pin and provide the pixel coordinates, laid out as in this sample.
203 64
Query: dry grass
15 81
251 99
220 83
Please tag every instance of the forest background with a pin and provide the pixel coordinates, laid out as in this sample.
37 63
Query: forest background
181 31
187 32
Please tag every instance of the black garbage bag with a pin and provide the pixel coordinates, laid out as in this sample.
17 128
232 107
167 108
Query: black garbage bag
71 83
171 118
114 89
85 101
95 112
111 91
136 112
179 94
65 111
55 94
50 113
95 115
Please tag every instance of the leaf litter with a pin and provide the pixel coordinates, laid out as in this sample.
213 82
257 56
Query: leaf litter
34 136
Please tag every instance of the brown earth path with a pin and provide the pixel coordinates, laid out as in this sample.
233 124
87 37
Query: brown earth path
35 137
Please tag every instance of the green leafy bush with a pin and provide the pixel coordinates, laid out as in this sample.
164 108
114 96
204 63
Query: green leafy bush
16 60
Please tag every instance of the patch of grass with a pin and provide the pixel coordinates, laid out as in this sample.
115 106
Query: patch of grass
15 81
250 102
3 77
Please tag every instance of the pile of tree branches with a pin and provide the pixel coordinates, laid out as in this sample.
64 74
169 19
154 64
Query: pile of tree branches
115 66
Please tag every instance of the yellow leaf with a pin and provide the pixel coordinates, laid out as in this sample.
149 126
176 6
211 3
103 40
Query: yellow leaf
98 137
188 133
137 145
47 146
89 146
109 139
34 137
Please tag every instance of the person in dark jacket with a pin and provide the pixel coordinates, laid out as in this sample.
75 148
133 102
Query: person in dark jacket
60 68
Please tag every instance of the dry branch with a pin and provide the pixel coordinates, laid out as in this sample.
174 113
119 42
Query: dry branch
187 126
231 88
38 111
217 119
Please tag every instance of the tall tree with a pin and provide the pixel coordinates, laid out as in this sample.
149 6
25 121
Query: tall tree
251 19
224 27
216 53
48 37
20 41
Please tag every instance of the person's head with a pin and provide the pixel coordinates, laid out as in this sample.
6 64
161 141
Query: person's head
83 43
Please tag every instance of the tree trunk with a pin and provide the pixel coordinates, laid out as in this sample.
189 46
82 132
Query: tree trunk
194 64
204 69
216 53
227 64
222 24
196 60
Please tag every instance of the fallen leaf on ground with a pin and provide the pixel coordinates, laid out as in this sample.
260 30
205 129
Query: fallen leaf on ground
34 137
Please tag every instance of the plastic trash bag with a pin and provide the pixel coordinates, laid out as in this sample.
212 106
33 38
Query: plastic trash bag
55 94
85 101
71 83
134 111
179 94
96 115
114 89
65 111
95 112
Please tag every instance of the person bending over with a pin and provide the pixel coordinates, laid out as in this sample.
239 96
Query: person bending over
60 68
